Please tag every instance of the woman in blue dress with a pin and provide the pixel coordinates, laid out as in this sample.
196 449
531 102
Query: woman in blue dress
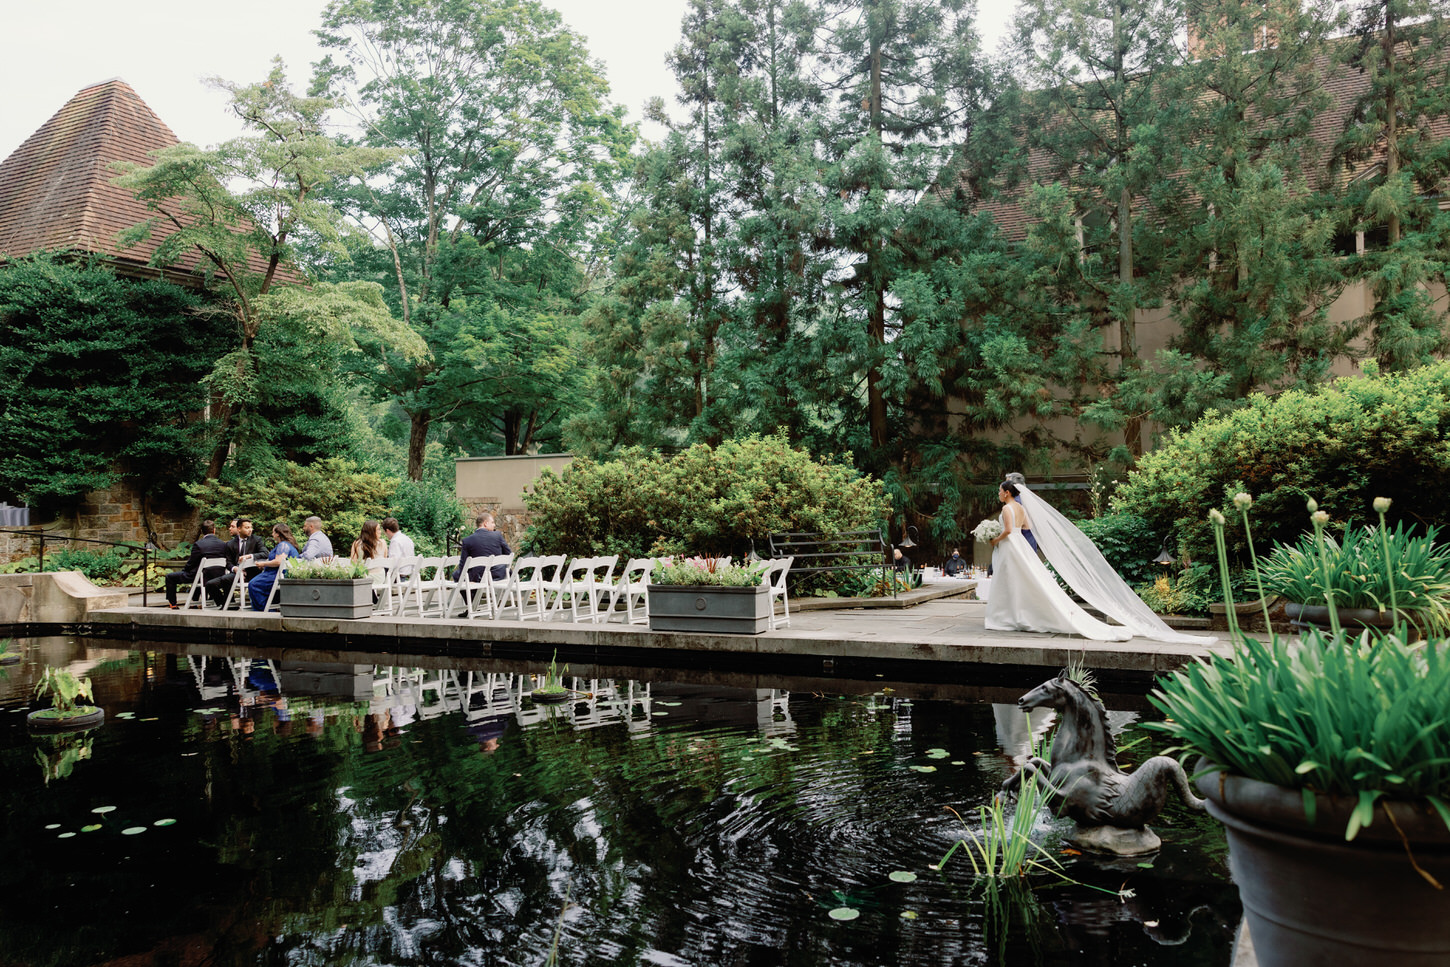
260 586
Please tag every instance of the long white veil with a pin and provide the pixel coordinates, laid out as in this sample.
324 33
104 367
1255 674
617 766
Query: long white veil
1074 557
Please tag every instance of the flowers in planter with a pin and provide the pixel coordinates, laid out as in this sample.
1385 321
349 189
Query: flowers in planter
337 569
707 572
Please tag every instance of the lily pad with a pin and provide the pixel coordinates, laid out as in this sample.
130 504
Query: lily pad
844 913
959 762
102 810
64 835
91 828
903 876
908 914
133 830
164 822
923 768
125 715
52 825
936 753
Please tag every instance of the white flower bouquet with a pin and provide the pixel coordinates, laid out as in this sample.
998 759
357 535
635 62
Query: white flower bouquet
988 530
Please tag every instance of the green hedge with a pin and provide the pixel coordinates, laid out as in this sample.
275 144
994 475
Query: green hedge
705 499
1129 543
1343 444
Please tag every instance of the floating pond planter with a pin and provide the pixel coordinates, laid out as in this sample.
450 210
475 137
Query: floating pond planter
51 720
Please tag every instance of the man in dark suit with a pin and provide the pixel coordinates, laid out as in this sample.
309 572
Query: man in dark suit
484 542
208 545
243 544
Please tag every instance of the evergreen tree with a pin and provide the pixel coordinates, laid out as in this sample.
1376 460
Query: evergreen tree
1101 119
1397 169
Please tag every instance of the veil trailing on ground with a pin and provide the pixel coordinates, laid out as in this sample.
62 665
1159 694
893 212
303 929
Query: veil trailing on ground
1075 558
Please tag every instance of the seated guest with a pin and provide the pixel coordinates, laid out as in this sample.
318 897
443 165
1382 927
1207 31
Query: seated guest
955 564
369 545
245 548
208 545
899 560
484 542
317 546
400 545
260 586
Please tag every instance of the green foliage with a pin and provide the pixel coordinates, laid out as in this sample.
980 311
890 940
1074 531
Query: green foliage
1190 593
706 499
706 572
870 584
1128 542
337 569
1382 435
335 489
64 689
99 566
1354 570
1333 714
428 512
100 378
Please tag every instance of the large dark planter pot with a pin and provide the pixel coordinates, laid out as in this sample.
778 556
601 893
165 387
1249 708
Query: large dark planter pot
325 597
86 717
709 610
1310 898
1305 616
1250 615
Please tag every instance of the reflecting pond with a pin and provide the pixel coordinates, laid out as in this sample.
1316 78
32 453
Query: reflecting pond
258 809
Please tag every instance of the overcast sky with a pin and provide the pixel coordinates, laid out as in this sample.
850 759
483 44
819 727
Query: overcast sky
165 48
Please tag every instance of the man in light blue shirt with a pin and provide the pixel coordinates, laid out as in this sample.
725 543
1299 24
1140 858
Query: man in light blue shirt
317 546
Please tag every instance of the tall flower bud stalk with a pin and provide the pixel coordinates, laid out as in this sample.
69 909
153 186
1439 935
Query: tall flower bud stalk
1319 518
1215 517
1243 502
1382 504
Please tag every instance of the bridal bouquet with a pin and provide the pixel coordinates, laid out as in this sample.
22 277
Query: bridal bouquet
988 530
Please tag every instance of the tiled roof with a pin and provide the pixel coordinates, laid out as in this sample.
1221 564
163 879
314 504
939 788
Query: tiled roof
55 189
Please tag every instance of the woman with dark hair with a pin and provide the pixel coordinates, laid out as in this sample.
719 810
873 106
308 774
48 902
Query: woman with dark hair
370 544
260 586
1026 597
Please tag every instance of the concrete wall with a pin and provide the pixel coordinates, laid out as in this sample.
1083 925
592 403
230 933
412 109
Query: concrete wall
60 596
497 484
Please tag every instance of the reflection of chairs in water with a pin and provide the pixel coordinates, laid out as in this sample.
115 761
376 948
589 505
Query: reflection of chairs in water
242 678
424 692
772 713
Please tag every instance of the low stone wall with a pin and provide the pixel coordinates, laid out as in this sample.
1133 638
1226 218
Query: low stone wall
511 522
60 596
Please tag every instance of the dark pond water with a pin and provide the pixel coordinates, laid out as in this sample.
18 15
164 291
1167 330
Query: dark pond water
253 809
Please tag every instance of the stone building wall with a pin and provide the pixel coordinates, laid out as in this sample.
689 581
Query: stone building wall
118 513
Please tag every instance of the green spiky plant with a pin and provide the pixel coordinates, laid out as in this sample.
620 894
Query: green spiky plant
1356 715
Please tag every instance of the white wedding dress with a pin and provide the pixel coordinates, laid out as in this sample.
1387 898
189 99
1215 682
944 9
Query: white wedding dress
1026 597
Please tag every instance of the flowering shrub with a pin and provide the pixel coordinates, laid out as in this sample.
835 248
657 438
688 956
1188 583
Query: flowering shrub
706 498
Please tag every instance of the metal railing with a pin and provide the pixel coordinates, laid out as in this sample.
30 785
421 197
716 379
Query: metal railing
40 537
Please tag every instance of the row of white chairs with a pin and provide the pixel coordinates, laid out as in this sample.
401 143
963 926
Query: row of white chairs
236 596
534 587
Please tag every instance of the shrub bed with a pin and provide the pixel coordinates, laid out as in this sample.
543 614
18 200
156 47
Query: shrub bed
705 499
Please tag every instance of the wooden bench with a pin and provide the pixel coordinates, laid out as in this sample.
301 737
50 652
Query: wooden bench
816 553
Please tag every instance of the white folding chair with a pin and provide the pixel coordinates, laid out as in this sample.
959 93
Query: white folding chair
632 586
774 578
379 569
407 585
528 581
281 571
433 588
197 591
477 597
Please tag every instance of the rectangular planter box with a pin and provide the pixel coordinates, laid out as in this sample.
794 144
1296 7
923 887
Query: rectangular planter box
325 597
709 610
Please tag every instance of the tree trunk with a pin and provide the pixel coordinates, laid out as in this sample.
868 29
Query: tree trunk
418 424
876 320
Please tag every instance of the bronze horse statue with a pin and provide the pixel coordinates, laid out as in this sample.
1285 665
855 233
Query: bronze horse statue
1083 778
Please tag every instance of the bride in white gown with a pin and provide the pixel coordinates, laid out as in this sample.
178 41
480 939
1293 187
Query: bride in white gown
1026 597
